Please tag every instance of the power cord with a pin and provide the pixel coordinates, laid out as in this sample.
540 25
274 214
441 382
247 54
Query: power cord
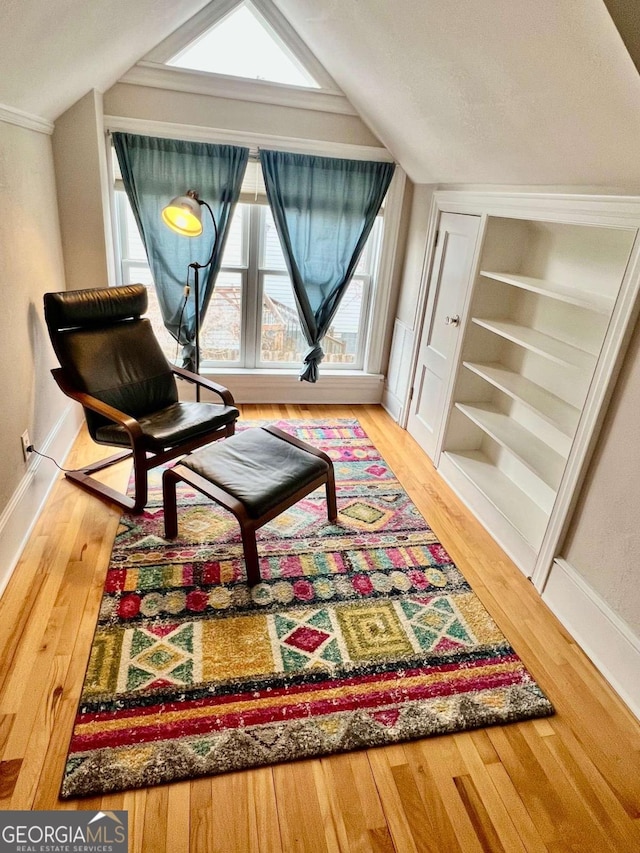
187 291
31 449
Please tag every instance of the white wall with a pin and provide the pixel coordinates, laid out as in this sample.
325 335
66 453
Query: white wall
594 586
489 91
30 265
603 544
81 181
414 255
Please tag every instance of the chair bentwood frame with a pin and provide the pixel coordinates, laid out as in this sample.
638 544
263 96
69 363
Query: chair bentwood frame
112 364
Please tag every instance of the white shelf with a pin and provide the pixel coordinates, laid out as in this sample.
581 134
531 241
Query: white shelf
511 502
537 456
546 346
552 409
584 299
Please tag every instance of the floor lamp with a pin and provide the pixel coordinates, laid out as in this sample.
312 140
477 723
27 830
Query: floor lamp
184 216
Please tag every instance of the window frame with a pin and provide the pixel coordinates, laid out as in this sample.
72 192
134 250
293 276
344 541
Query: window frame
252 276
242 269
304 78
371 252
276 23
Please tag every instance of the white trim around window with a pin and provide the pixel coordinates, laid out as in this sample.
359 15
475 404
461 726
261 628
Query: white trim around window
214 12
237 88
252 321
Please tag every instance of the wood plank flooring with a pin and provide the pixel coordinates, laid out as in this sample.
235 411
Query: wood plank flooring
567 783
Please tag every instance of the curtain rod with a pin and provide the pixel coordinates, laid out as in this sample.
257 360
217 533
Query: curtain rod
245 139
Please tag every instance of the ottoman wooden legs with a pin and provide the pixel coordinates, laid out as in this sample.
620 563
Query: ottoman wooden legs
310 473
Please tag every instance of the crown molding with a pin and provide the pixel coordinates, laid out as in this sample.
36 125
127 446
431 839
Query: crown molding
160 76
11 115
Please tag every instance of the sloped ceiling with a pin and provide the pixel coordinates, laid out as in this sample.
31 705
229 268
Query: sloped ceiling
535 92
486 91
52 52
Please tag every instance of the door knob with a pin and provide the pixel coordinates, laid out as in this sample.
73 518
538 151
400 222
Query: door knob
452 321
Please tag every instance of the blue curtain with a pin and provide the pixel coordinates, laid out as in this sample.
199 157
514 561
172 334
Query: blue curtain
154 171
324 209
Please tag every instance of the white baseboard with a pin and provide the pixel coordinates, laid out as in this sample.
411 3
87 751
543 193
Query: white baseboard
600 632
21 513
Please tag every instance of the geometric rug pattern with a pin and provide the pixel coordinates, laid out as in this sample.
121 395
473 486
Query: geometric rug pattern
361 632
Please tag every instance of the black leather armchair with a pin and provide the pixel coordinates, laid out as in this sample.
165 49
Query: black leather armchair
111 363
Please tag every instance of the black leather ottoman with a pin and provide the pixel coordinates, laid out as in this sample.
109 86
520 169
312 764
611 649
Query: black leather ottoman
255 474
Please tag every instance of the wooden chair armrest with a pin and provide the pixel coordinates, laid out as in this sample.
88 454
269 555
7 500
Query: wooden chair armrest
130 424
220 390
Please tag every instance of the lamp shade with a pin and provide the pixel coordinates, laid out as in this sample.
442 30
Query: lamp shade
183 216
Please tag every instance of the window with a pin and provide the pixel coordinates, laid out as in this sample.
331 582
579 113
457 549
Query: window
252 319
243 44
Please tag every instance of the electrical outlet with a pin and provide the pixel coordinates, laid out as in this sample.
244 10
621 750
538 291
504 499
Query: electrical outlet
26 443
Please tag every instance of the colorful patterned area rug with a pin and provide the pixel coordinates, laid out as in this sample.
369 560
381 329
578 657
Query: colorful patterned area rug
361 633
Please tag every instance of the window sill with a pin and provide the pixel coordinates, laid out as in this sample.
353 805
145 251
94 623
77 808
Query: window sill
278 371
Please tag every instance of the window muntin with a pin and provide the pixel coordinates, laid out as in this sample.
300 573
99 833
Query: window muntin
252 319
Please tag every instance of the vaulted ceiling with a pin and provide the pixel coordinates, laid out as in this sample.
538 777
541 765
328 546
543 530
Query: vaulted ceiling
488 91
473 91
52 52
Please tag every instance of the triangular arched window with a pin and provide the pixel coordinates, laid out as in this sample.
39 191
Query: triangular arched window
243 44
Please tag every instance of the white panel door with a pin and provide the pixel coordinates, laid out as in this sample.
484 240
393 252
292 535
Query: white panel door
448 284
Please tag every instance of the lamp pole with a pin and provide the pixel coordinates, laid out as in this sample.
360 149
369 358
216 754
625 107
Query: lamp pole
183 216
196 267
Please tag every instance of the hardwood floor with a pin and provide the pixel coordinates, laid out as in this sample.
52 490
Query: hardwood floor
567 783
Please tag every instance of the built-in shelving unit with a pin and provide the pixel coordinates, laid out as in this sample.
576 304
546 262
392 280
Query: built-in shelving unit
540 309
